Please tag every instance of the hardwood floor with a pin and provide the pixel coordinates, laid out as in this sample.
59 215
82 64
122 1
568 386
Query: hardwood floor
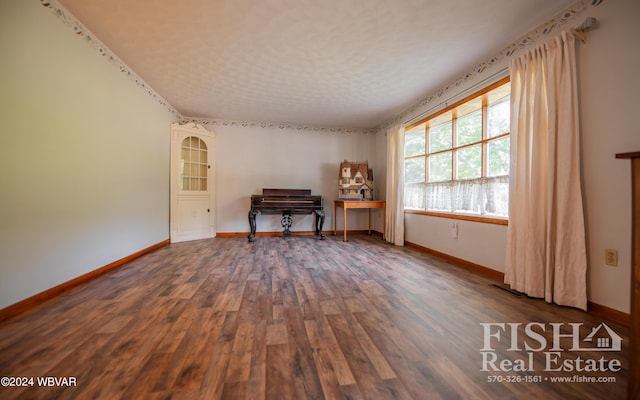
295 318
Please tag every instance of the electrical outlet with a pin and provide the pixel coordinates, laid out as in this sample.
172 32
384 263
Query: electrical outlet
611 257
454 230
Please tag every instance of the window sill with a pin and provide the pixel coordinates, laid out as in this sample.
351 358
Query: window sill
466 217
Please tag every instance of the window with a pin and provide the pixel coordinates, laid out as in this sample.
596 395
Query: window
193 164
457 160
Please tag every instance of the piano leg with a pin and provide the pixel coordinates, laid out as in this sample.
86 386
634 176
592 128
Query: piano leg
286 221
252 224
319 223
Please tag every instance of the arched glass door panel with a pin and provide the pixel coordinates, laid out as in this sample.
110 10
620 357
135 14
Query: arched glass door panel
193 164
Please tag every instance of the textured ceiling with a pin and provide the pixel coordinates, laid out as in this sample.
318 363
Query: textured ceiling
328 63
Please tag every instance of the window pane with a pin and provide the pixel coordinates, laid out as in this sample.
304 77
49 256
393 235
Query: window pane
414 170
469 128
440 167
440 137
498 157
185 154
195 156
414 195
414 141
193 164
469 162
498 118
478 154
438 197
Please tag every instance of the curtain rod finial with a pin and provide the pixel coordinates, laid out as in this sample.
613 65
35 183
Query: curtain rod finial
589 24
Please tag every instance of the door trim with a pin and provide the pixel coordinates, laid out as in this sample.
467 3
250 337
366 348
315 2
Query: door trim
178 133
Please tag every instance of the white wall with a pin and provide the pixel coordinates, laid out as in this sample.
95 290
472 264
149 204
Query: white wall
480 243
609 87
250 158
609 84
84 156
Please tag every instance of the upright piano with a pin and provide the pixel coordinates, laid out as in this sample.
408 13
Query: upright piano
287 202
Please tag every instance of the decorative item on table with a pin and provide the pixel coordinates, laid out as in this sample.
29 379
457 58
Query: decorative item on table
355 181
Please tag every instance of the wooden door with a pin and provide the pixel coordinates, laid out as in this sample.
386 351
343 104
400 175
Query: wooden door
192 183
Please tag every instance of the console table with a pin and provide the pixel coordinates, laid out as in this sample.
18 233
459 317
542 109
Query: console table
369 204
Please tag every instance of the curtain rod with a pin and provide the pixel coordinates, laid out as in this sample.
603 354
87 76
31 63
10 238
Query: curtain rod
486 81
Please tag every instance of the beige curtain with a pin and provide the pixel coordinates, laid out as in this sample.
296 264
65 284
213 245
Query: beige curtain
546 250
395 185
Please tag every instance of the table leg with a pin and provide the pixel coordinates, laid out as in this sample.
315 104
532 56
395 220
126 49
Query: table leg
335 208
369 233
345 223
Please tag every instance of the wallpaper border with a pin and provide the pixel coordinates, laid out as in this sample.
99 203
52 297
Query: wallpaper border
273 125
81 31
552 25
547 28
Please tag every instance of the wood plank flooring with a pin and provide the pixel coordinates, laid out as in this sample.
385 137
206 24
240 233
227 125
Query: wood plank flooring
293 318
